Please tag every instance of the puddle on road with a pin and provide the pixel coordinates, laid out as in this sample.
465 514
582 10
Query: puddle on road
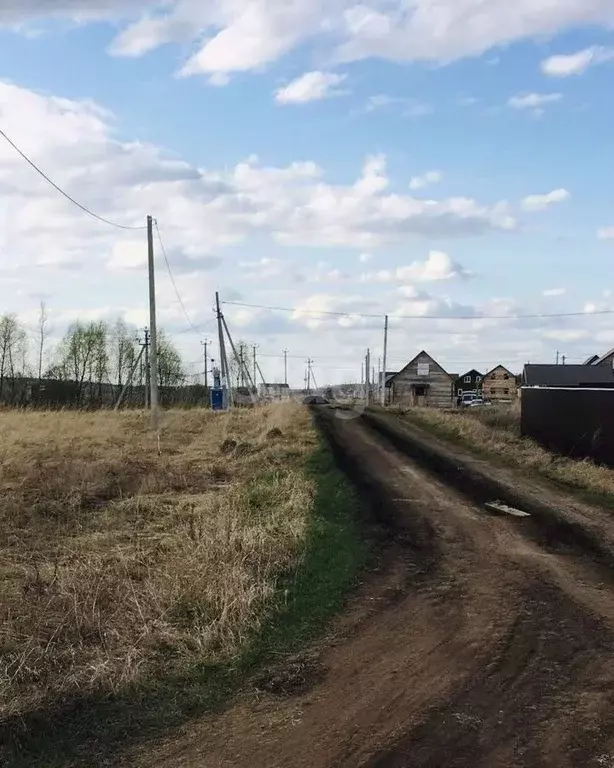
500 507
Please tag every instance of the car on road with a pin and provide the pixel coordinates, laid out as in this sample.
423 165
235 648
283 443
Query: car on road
315 400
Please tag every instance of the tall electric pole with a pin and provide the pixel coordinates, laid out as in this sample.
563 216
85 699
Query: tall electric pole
285 366
223 359
153 357
205 344
385 361
367 374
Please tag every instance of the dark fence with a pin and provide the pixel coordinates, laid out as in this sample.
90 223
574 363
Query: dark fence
51 393
572 422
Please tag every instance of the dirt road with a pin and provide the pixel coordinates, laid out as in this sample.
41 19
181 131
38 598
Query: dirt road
479 643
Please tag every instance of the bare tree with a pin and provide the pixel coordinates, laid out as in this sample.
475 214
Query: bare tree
42 336
83 356
13 351
124 350
170 365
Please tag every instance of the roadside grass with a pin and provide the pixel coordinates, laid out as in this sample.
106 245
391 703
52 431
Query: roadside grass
495 432
145 580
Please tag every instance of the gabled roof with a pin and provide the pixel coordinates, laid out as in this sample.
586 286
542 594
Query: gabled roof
603 358
413 360
590 360
568 376
469 373
507 370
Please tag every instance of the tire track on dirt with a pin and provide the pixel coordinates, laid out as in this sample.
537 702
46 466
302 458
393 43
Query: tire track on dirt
497 651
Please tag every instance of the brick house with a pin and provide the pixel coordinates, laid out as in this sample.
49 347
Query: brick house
472 381
500 385
422 382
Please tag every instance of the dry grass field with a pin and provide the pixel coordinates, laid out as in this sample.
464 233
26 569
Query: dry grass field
125 556
495 431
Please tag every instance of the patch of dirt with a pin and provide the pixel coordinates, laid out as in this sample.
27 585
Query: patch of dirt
474 645
292 676
274 433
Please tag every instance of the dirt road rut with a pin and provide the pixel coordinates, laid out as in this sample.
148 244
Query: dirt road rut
479 643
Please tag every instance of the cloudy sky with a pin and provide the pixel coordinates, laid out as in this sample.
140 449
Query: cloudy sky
448 162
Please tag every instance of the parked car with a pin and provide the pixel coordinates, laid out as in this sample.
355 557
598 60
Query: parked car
315 400
467 399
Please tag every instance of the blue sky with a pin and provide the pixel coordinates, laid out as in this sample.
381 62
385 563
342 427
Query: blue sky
386 157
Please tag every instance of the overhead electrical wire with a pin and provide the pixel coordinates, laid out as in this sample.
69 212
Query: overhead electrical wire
539 315
170 272
62 192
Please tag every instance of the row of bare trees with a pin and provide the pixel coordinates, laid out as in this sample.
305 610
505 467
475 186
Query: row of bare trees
90 353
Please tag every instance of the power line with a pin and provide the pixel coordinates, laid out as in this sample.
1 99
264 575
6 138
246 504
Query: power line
61 191
539 315
198 325
170 272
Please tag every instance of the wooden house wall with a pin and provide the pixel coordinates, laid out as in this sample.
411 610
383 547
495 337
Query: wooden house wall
439 384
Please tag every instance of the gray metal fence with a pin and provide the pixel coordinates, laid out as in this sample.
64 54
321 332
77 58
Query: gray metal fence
572 422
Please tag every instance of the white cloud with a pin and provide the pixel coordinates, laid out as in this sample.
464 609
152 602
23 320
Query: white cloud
312 86
242 35
430 177
226 217
533 203
576 63
554 292
437 266
565 334
606 233
265 268
533 101
365 257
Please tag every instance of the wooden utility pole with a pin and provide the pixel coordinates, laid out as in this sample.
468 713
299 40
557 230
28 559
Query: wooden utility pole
385 361
153 363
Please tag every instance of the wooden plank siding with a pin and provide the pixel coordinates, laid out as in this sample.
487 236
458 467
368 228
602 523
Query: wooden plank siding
500 385
423 382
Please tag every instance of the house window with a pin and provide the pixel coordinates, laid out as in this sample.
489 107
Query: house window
460 391
478 378
506 391
506 376
467 379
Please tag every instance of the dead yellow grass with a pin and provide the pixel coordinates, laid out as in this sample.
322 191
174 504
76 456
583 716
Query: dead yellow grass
122 554
502 440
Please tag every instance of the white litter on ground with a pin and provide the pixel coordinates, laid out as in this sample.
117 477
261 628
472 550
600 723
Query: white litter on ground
500 507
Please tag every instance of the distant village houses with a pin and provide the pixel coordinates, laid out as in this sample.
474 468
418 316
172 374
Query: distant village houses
274 391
